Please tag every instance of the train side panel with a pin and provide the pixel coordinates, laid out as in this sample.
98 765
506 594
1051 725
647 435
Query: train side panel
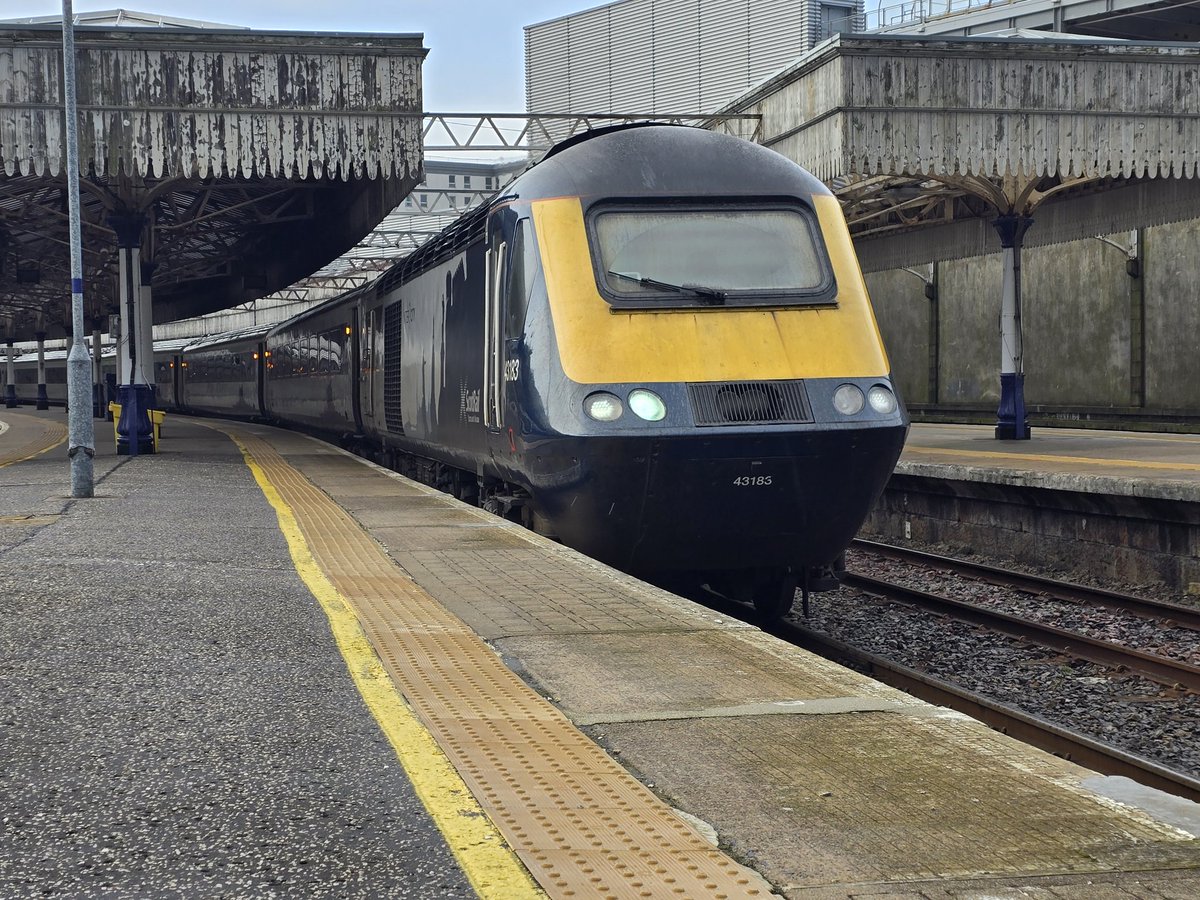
311 373
432 389
222 379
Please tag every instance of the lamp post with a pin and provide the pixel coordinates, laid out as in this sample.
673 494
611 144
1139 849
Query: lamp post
81 431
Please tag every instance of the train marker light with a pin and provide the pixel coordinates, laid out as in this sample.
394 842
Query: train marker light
848 399
647 405
882 400
603 406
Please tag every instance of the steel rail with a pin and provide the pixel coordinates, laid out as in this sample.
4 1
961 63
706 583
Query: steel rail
1015 723
1162 669
1186 616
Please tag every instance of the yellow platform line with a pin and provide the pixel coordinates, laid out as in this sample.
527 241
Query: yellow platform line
914 451
489 864
581 824
51 435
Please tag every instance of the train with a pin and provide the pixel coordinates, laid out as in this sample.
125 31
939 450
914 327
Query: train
654 345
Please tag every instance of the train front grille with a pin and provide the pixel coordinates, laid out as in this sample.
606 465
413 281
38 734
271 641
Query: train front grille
749 403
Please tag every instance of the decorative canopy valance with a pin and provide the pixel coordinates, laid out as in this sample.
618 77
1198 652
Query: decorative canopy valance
176 103
904 105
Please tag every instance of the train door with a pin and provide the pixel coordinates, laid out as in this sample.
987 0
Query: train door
522 268
354 355
260 376
493 338
510 266
176 381
366 367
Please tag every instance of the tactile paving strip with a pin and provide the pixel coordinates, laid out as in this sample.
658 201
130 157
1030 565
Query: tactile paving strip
582 825
28 436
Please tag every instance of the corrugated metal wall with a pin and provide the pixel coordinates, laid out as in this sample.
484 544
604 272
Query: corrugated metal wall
662 56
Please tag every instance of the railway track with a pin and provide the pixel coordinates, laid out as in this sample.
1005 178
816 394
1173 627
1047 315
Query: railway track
1162 669
1035 584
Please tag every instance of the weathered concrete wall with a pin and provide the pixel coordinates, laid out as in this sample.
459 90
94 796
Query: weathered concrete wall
903 315
969 315
1076 323
1083 325
1172 303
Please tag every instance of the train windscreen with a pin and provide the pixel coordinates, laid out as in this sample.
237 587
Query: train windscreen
710 255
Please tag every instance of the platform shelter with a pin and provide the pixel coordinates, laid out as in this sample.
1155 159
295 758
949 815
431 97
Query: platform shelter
217 166
939 147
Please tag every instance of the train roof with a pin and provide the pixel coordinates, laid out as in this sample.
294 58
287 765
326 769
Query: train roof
630 160
644 160
324 306
228 337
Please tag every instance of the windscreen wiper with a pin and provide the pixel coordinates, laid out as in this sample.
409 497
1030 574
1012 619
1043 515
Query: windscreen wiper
705 294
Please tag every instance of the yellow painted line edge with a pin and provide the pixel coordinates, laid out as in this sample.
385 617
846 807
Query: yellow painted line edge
62 440
491 866
1033 457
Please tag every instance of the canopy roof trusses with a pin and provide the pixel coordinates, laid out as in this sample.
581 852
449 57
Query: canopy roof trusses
251 159
915 131
537 132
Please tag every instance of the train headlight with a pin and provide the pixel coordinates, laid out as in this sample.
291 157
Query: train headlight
647 405
848 399
603 406
882 400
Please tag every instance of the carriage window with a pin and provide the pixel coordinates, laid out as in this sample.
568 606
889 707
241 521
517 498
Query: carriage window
695 256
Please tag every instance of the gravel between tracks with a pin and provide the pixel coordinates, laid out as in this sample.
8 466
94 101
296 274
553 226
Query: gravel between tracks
1119 708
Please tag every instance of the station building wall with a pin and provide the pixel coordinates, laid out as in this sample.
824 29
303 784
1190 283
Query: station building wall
1095 337
1172 302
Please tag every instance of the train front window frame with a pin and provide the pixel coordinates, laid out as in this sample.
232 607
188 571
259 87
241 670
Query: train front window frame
645 280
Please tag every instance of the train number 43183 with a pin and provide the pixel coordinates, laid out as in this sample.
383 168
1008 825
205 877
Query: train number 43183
752 481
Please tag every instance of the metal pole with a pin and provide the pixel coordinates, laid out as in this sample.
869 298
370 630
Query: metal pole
81 431
1011 422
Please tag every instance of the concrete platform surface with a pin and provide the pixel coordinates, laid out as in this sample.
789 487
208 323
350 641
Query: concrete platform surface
175 719
182 659
1121 463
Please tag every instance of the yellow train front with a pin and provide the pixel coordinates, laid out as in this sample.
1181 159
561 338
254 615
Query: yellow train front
682 366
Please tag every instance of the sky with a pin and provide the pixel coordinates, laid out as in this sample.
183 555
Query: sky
476 59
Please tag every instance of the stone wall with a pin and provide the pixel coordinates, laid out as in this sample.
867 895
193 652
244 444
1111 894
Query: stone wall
1093 533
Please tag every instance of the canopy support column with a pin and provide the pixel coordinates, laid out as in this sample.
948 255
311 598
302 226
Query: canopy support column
134 433
97 372
10 391
145 328
1011 422
43 401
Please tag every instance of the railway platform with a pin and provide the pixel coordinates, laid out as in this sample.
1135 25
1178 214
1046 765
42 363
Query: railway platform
255 665
1123 506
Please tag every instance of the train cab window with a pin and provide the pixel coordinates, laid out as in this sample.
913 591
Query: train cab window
522 270
696 256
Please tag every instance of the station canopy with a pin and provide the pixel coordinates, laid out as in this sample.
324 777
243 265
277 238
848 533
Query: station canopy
240 160
925 140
